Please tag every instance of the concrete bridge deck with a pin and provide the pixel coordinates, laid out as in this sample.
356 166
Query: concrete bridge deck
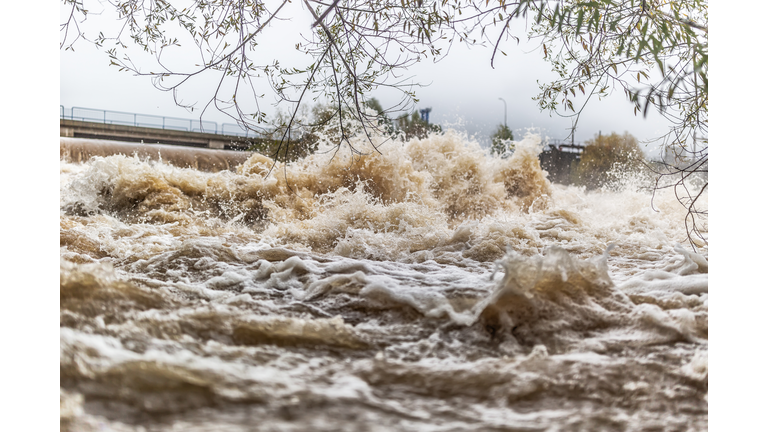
150 135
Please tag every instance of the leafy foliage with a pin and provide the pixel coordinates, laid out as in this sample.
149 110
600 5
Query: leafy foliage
656 51
312 125
501 140
355 46
605 153
412 126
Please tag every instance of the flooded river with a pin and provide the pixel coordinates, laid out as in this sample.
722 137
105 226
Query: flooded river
426 288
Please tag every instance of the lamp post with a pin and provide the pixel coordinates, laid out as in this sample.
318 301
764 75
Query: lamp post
505 112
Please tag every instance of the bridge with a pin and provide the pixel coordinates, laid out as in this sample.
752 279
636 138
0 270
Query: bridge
149 129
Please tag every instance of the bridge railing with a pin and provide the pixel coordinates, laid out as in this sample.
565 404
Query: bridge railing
153 121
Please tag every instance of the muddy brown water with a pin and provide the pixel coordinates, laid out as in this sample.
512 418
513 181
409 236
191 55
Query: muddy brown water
426 288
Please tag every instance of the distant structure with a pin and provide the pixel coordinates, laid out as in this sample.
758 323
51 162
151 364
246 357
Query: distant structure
425 114
557 160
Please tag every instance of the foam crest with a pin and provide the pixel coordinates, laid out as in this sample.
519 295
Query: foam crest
385 205
687 276
95 288
554 288
295 331
353 223
555 299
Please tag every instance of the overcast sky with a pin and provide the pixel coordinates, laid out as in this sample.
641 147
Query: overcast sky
463 89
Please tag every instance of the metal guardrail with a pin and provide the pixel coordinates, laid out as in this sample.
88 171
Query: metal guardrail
153 121
566 146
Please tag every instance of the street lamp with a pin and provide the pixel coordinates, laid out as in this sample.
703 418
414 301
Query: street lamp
505 111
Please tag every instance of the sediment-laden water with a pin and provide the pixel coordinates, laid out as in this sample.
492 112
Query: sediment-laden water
426 288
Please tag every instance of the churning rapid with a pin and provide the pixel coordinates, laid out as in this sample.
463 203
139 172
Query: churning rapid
429 287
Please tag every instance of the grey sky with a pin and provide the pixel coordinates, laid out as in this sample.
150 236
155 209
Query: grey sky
464 90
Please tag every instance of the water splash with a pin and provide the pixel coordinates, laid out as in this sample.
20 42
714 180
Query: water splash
429 287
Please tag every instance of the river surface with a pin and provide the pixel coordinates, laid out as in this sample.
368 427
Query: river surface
426 288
